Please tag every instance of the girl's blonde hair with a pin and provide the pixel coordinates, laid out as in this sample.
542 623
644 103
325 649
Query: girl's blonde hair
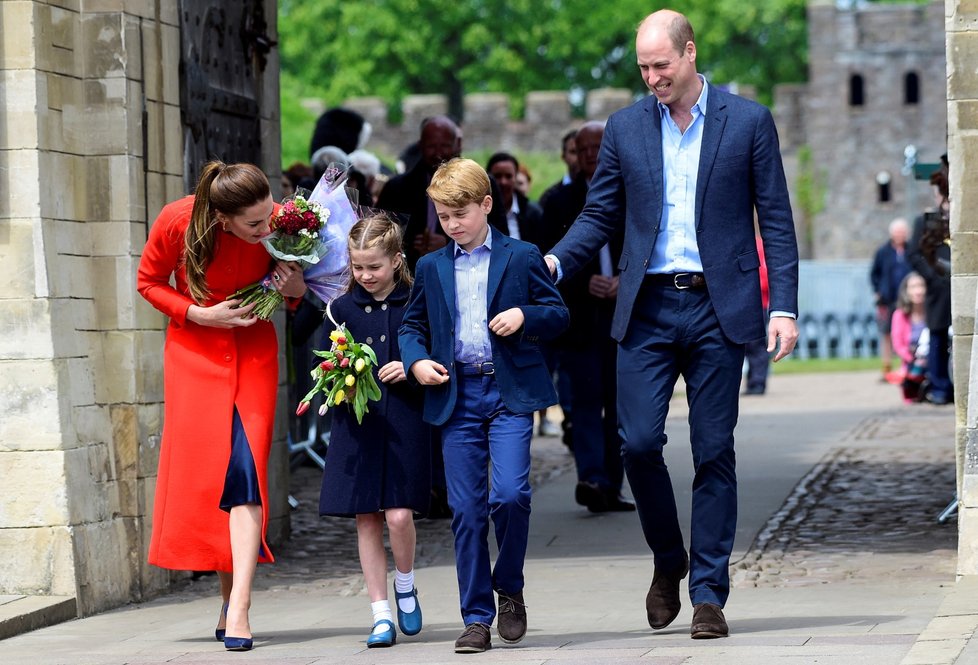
378 231
224 188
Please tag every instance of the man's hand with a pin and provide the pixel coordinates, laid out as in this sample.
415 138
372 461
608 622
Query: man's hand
603 287
425 243
786 329
508 322
551 266
429 373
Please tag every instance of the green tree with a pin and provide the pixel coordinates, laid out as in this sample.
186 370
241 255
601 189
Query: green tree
392 48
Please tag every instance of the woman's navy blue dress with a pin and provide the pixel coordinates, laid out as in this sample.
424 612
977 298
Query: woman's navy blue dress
385 462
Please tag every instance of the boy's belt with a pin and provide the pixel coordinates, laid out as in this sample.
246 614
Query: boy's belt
477 369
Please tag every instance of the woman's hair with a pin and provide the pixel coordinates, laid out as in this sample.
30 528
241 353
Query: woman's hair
903 298
224 188
378 231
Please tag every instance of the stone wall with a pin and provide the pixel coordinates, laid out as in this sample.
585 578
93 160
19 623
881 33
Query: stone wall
854 144
487 124
89 153
962 104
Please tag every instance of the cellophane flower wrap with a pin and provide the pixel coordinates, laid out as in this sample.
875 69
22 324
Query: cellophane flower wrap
310 229
345 375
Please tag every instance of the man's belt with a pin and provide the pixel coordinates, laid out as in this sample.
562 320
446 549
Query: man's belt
678 280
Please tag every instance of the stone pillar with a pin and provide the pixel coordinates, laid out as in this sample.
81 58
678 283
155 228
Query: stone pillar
486 118
604 101
90 151
962 94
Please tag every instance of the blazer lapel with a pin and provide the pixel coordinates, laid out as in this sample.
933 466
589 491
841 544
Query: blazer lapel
446 275
499 257
652 138
715 120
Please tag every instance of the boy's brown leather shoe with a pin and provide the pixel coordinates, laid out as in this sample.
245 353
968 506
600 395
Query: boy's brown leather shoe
511 618
474 639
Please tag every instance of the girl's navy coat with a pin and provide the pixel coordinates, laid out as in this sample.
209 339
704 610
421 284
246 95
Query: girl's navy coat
385 462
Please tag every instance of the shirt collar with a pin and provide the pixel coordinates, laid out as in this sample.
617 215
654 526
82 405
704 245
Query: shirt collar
487 244
515 208
698 108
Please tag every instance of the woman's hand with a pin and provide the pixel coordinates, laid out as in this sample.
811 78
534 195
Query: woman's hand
223 315
287 276
392 372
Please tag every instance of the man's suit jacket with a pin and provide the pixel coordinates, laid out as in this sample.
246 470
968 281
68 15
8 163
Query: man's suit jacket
740 169
518 277
530 221
405 196
588 313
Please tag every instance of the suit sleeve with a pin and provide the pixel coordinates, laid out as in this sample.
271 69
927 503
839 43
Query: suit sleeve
774 216
604 211
546 316
161 256
414 335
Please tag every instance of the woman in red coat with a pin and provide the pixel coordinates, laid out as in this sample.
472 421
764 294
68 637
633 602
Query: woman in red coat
220 382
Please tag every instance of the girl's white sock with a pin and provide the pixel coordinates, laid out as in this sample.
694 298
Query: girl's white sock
403 583
381 610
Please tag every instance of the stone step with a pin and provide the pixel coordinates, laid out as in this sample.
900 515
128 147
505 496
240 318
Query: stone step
21 614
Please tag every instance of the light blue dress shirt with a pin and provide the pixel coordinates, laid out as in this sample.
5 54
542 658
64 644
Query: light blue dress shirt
675 248
471 309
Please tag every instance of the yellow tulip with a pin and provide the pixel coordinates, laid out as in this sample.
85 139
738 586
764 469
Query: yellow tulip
350 379
333 335
339 397
359 365
341 347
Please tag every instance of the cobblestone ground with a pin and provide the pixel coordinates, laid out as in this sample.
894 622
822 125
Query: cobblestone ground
322 555
861 504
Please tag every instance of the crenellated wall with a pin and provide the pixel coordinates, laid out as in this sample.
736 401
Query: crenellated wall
487 124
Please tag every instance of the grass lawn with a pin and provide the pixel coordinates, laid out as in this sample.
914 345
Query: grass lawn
794 366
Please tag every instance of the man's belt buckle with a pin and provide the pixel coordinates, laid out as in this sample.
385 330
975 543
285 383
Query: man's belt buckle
487 368
687 276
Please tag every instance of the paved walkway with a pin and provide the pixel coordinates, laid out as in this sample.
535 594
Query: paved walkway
838 560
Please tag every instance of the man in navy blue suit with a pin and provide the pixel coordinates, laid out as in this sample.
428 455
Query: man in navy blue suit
683 172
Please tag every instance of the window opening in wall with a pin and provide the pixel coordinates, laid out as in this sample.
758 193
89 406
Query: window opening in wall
911 88
856 90
883 187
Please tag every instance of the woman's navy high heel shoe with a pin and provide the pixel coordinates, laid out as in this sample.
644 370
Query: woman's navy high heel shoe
219 632
238 643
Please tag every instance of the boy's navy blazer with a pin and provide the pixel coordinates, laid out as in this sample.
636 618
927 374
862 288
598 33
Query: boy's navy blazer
518 277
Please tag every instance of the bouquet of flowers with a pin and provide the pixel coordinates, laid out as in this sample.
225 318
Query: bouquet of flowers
311 229
297 231
345 375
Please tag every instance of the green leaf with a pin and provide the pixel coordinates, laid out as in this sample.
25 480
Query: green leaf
369 352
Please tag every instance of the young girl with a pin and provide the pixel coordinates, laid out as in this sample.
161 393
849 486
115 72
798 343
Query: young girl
381 469
910 335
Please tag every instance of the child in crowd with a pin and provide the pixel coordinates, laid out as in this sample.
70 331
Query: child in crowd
471 334
910 336
380 470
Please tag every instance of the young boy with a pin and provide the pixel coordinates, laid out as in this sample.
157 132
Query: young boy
471 334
